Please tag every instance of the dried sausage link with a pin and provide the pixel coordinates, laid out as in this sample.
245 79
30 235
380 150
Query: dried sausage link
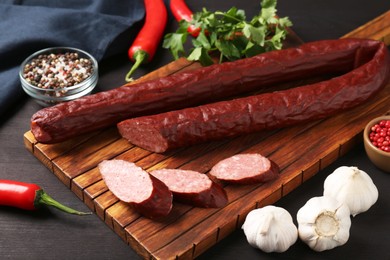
200 86
161 132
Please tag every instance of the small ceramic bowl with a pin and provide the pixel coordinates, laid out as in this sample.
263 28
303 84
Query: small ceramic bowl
47 96
380 158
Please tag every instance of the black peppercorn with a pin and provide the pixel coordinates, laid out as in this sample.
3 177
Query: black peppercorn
56 71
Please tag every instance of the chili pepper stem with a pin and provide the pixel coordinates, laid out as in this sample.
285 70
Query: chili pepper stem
42 198
139 56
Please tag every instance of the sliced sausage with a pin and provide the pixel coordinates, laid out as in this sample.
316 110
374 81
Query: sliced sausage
192 187
131 184
165 131
200 86
245 169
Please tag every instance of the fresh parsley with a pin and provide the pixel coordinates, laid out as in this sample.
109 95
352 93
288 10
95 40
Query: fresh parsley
229 34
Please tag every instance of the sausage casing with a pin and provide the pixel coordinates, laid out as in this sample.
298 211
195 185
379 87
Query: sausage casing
192 88
370 73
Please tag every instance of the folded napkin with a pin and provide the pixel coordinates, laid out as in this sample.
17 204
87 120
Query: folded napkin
30 25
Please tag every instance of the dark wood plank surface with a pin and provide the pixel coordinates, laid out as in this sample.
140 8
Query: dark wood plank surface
32 235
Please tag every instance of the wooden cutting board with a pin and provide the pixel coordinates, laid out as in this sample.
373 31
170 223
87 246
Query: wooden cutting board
301 151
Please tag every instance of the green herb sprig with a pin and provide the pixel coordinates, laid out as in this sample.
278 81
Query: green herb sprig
229 34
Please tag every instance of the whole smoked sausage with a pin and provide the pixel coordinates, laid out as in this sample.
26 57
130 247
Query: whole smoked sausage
161 132
200 86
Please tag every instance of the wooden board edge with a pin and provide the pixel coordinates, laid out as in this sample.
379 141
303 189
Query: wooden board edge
376 29
29 141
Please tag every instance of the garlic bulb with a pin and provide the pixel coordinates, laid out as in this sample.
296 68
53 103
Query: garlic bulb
270 229
353 187
323 223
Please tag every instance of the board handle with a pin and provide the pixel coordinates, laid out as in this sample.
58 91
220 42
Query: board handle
376 29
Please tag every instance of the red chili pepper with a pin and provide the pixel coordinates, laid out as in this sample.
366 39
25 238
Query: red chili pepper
145 44
29 196
181 11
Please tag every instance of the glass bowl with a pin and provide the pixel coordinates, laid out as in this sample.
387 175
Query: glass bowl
47 95
378 157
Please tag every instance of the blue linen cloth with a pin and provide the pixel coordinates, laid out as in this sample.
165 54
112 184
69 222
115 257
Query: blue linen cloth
27 26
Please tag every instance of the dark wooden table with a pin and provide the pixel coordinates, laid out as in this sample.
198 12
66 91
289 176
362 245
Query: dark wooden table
50 234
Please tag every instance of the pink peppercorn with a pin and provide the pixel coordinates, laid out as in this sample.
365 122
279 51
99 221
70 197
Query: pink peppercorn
380 135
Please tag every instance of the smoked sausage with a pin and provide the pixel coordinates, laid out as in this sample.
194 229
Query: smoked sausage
200 86
245 169
370 73
192 187
131 184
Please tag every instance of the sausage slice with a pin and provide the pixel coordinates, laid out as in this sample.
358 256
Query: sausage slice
192 187
131 184
245 169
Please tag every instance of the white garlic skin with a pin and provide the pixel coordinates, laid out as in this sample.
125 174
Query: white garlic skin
324 223
353 187
271 229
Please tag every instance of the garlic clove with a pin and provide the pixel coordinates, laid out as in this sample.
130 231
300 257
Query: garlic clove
353 187
270 229
323 223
